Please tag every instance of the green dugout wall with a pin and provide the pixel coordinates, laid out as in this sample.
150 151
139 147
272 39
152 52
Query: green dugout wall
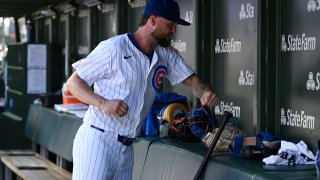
185 41
235 49
265 65
299 77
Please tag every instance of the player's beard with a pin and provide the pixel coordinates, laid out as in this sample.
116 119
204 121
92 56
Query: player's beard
162 41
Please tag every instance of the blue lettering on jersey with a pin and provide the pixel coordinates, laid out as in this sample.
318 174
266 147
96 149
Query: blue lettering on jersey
157 77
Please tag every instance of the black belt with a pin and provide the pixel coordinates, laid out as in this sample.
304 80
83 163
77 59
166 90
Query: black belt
124 140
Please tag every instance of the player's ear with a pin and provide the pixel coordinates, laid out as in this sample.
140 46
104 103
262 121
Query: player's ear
153 19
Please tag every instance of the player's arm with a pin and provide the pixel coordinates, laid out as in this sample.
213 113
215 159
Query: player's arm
202 90
82 91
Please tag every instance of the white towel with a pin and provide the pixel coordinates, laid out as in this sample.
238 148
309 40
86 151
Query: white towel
291 154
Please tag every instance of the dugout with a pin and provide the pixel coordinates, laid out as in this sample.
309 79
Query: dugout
261 57
65 13
298 72
109 20
264 64
236 47
185 41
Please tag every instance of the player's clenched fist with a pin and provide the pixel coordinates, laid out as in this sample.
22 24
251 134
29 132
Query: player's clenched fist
114 107
209 98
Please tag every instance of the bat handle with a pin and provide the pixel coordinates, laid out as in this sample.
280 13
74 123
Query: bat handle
227 116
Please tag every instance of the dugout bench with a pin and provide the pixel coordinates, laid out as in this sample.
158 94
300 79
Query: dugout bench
167 159
50 133
154 158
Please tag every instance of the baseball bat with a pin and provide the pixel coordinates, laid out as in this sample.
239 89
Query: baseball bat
227 116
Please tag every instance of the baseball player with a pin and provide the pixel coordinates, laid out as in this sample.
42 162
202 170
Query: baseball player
126 72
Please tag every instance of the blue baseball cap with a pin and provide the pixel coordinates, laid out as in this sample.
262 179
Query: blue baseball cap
168 9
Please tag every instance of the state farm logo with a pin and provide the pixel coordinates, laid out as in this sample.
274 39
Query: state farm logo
313 84
296 119
189 17
227 45
179 45
246 80
137 3
313 6
298 42
246 12
228 106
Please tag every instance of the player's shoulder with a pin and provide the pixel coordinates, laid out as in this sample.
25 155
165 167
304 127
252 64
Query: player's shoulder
166 51
117 40
114 43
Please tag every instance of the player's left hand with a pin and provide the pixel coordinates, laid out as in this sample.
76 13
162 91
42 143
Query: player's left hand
209 98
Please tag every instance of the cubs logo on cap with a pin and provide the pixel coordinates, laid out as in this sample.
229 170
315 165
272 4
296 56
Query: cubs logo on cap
157 77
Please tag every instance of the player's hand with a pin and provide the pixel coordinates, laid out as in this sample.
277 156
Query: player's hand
114 107
209 98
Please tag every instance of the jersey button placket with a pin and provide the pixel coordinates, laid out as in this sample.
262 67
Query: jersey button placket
144 85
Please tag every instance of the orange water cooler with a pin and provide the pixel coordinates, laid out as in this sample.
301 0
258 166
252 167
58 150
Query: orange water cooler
67 97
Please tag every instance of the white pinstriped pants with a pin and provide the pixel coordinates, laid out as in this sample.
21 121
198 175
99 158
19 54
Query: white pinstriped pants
100 156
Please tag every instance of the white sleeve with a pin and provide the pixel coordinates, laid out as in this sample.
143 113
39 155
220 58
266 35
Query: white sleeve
178 69
97 65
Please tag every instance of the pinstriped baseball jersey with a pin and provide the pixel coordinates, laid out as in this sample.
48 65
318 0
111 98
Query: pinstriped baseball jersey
119 70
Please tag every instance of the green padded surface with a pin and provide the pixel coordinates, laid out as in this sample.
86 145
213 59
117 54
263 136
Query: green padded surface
169 162
62 141
193 147
140 155
229 167
32 122
48 122
52 129
158 158
168 159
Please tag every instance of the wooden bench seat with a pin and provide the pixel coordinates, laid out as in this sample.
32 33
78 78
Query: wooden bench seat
33 167
53 133
16 152
10 153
